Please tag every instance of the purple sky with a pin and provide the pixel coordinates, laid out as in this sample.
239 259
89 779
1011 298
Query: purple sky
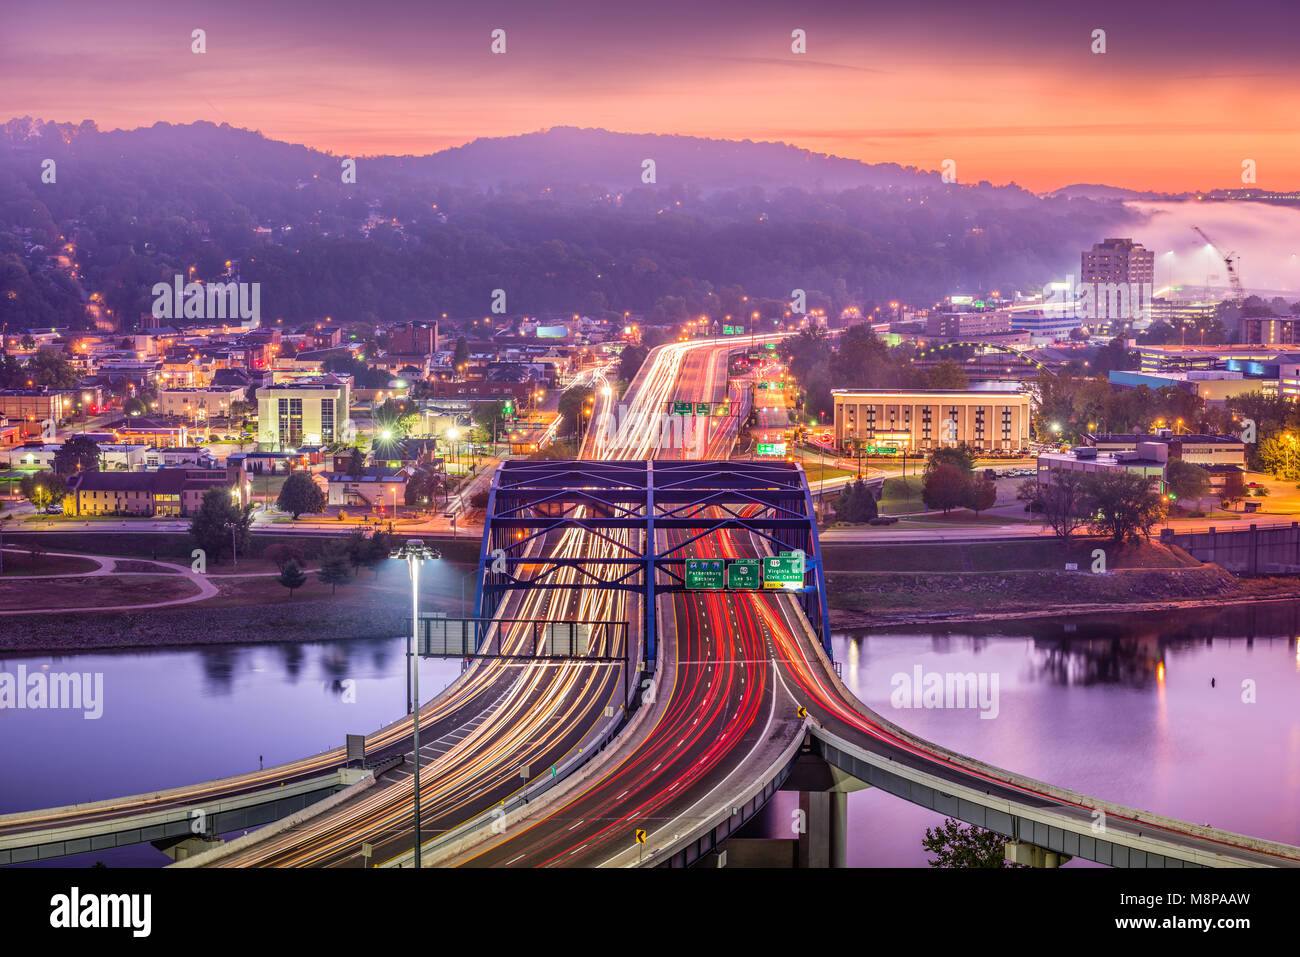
1008 90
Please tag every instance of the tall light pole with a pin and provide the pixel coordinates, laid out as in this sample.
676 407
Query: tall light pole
414 552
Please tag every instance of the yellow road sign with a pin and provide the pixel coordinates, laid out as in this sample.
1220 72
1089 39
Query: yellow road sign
640 836
802 712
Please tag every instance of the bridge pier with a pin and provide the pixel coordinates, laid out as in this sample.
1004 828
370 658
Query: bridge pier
178 849
824 808
1031 855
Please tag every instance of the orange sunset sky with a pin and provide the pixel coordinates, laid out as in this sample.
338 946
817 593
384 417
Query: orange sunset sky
1010 91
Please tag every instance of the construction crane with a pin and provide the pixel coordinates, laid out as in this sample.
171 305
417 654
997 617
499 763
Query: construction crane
1238 296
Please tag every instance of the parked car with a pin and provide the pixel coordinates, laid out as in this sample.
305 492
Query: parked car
53 509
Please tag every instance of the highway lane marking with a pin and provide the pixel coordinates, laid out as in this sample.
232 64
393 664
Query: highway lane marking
579 824
759 741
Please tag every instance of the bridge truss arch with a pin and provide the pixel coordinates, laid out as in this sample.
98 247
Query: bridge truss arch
935 351
630 508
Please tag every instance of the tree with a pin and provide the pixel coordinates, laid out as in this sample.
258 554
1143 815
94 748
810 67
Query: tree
944 487
356 462
300 494
981 493
946 374
1064 502
134 406
291 577
1187 480
335 568
78 454
487 415
355 547
572 402
960 456
46 367
283 554
423 486
856 503
1123 504
630 361
460 355
1031 493
221 522
394 417
369 551
954 844
43 488
379 548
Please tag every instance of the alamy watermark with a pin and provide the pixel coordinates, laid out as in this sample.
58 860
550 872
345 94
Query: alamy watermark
1097 300
213 300
671 431
56 690
934 689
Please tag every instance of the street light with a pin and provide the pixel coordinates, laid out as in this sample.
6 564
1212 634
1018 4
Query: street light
414 552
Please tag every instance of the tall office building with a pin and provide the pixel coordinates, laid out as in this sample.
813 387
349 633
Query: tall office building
1121 273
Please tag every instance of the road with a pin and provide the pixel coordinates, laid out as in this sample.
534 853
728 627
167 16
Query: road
535 715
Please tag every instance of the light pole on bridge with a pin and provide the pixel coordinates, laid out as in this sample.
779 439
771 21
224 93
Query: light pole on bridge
414 552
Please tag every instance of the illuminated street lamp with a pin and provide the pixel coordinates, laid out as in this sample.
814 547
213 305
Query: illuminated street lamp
414 552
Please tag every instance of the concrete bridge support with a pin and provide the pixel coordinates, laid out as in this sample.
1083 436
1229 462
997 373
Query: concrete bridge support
178 849
823 808
1031 855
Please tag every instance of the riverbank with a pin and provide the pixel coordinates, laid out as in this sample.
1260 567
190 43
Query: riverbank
249 607
860 599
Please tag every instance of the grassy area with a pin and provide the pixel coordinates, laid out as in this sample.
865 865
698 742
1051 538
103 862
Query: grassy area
901 495
819 473
1028 555
100 591
857 598
19 563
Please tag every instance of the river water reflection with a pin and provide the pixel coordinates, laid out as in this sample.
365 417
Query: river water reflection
1145 710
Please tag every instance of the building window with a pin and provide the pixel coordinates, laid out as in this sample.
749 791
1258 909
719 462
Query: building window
290 432
326 421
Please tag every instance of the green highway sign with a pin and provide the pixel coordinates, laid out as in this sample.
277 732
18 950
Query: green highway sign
771 448
701 408
682 408
771 345
783 571
705 573
733 330
745 573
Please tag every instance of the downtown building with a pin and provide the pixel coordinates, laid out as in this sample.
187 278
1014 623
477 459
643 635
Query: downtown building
171 492
927 419
1119 274
307 412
